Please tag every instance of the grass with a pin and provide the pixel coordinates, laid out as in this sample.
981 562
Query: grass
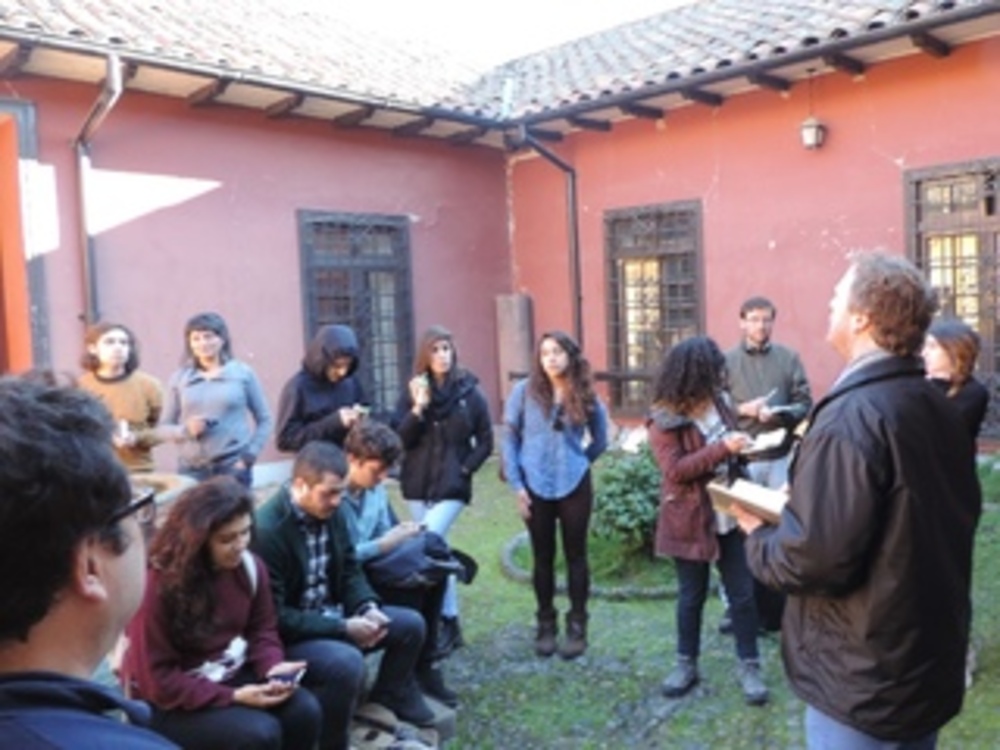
609 698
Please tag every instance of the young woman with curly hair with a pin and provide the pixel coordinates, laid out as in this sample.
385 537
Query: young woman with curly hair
555 427
203 647
692 432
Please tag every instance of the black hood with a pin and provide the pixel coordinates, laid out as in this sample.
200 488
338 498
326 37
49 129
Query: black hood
329 343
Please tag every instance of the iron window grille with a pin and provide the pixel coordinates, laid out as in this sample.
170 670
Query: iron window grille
356 271
654 294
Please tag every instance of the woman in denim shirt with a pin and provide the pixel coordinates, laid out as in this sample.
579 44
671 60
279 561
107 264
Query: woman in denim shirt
554 428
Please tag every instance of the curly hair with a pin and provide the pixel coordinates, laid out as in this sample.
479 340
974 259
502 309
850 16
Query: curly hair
691 373
89 360
897 299
368 439
180 552
579 398
961 343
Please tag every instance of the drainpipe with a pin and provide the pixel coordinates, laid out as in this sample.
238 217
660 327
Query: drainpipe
523 137
105 102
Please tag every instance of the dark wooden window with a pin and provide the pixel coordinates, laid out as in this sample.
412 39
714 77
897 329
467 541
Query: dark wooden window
954 236
356 272
654 293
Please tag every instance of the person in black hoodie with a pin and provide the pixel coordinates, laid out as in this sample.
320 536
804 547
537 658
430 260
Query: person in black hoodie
324 398
444 422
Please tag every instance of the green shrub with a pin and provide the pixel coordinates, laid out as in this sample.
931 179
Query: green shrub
627 500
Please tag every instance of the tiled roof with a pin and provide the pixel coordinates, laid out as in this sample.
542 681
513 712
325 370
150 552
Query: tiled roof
266 37
318 51
682 43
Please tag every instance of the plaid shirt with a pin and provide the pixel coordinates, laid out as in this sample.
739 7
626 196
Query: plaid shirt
314 597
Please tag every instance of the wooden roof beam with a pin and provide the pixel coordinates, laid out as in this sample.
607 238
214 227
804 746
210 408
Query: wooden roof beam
284 106
208 93
927 42
467 136
707 98
354 118
588 123
416 127
545 135
768 81
12 63
642 110
845 64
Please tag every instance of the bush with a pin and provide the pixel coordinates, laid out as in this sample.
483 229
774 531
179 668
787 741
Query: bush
627 500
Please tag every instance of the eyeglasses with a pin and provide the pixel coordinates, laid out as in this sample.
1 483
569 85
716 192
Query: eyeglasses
142 506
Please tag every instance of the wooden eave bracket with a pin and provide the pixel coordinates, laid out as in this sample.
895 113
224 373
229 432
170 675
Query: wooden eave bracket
769 81
208 93
930 44
545 135
642 110
413 128
355 118
707 98
285 106
845 64
467 136
12 63
588 123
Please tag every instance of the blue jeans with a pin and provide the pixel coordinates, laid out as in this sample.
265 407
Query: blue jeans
825 733
692 578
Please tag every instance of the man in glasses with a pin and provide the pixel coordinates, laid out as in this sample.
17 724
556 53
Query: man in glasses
72 570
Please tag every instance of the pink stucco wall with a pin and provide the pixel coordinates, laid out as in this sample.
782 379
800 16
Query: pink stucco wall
778 220
195 209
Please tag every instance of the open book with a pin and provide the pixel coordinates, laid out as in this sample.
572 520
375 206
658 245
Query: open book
762 501
766 441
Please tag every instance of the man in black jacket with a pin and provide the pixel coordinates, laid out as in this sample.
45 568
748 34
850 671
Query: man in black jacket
875 545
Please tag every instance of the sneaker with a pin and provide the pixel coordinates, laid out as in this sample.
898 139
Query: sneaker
681 679
408 705
431 681
754 690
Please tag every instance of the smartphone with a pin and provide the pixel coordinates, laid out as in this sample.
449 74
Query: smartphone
291 678
362 409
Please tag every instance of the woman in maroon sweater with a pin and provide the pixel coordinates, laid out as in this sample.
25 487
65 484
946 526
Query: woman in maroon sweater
204 647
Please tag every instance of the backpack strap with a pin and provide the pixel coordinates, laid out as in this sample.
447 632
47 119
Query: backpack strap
250 566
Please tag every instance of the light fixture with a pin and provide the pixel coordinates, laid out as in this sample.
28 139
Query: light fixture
813 132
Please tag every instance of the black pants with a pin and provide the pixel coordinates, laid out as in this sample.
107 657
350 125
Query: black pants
425 600
572 513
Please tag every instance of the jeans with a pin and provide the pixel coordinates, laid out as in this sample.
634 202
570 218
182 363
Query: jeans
825 733
439 517
291 725
692 577
336 671
573 516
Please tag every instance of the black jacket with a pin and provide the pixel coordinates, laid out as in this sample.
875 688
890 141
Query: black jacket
307 409
446 445
45 711
875 551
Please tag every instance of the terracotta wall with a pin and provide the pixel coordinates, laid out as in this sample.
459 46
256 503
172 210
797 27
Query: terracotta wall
195 209
778 220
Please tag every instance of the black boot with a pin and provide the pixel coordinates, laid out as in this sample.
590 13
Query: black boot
449 637
576 636
431 681
545 636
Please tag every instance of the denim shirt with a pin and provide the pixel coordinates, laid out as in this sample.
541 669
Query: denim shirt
546 453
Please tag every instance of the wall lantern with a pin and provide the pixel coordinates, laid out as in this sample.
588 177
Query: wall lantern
813 132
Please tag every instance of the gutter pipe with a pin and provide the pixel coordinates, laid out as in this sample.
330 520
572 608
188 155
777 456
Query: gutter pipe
523 137
110 94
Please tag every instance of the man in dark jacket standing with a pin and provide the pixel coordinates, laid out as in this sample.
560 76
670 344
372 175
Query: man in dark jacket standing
875 545
324 398
72 571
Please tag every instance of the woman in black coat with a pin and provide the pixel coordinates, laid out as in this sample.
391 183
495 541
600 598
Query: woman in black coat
444 422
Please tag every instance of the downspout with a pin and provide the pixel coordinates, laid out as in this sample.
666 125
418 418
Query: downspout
572 228
105 102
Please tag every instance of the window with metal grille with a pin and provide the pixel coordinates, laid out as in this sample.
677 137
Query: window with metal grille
654 294
954 236
356 272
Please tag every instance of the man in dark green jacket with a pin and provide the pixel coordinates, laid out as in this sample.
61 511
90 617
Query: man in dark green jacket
328 615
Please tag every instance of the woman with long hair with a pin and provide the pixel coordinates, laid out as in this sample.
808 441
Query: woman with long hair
555 427
135 399
204 647
444 422
692 432
950 351
210 398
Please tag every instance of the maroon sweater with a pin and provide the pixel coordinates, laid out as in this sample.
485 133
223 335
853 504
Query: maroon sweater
160 672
